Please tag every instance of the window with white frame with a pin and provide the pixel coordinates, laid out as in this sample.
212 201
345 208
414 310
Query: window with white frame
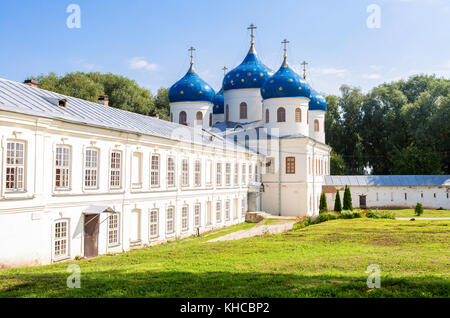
15 166
197 173
136 170
197 215
113 229
256 175
170 172
250 173
227 210
236 174
154 170
153 223
115 181
244 206
244 174
185 173
91 168
228 174
209 172
170 220
185 218
218 174
62 167
61 239
218 211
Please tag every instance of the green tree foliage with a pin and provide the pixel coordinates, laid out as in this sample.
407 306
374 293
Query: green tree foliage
122 92
418 209
337 164
337 202
323 203
399 127
347 199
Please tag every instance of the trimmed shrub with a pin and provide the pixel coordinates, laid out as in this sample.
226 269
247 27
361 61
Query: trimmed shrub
347 199
337 202
346 215
323 203
418 209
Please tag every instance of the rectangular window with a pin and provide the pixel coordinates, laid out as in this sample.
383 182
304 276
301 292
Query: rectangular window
290 165
61 239
136 170
236 174
244 206
218 211
62 167
197 215
15 166
244 173
154 170
392 196
153 224
256 175
113 229
377 196
250 173
197 173
170 220
91 168
209 173
270 165
185 218
421 195
227 210
185 173
116 169
170 172
406 196
228 174
219 174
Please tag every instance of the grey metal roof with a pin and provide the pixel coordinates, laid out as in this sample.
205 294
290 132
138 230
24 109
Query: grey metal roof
20 98
389 180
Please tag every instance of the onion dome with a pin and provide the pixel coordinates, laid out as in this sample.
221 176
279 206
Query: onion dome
218 103
251 73
285 83
317 101
191 88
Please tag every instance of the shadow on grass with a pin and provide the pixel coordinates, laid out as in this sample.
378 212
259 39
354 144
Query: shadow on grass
217 284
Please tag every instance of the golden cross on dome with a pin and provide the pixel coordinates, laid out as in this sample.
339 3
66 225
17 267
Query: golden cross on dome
225 69
304 69
192 49
285 42
251 28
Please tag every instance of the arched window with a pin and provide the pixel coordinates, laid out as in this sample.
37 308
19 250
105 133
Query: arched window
267 115
262 111
199 117
243 111
247 139
227 113
210 119
171 117
298 115
183 119
281 115
316 125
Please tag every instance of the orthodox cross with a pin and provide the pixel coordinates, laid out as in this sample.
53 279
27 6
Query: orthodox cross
285 42
225 69
192 49
304 69
251 28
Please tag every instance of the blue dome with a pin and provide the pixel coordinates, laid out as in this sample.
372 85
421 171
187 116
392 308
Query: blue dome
317 101
191 88
218 103
251 73
285 83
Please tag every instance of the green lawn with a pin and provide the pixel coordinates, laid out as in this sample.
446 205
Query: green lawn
409 213
323 260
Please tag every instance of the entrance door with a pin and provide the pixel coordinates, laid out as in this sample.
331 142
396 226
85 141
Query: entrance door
362 201
208 213
135 226
235 207
91 226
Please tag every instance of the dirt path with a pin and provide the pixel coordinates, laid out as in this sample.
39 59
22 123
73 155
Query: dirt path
256 230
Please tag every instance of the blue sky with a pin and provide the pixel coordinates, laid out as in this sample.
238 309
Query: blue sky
148 40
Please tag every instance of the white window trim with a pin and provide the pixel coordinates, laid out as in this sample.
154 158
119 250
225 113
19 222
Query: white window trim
96 169
67 238
68 167
153 223
116 228
185 218
184 173
219 174
197 214
156 171
136 185
228 174
218 211
197 173
111 170
16 166
172 219
174 178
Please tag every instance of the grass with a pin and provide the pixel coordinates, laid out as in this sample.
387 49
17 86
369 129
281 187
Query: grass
409 213
323 260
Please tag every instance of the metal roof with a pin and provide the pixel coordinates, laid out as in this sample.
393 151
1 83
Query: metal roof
20 98
389 180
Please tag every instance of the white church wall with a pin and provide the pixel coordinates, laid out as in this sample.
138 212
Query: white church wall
191 109
250 96
319 134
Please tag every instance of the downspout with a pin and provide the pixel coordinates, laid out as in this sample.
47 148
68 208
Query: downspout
279 175
314 177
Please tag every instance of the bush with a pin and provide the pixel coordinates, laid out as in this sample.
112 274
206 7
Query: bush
337 202
347 199
323 203
418 209
346 215
378 215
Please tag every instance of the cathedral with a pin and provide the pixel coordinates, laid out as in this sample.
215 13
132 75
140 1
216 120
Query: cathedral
275 114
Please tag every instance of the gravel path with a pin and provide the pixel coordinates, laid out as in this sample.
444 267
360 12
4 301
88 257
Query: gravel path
255 231
423 218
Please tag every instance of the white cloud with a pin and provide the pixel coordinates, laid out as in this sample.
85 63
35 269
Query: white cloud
139 63
329 71
371 76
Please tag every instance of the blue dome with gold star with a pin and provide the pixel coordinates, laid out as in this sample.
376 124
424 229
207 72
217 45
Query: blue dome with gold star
218 103
317 101
191 88
285 83
251 73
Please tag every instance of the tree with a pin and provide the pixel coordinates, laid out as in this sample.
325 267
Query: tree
162 103
418 209
337 164
323 203
347 199
337 202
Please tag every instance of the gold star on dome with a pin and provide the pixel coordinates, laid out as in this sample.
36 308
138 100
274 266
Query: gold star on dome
200 92
206 87
232 82
181 92
317 102
299 88
290 80
249 74
191 85
280 88
254 80
217 106
261 74
242 80
237 74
